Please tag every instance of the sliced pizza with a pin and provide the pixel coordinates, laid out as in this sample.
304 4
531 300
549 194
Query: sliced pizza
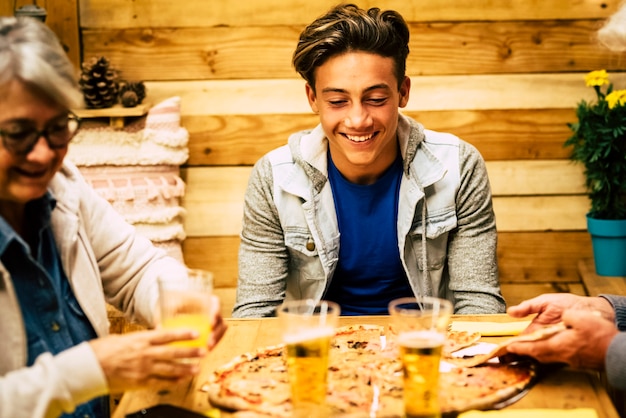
364 379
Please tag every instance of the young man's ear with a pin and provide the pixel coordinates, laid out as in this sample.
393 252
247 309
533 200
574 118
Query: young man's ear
310 95
405 88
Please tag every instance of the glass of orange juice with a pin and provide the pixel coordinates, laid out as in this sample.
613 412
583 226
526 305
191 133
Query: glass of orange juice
185 302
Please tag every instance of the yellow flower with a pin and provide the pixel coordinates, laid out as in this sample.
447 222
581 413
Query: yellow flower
597 78
616 98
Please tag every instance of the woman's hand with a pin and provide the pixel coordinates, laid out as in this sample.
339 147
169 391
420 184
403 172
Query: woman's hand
144 358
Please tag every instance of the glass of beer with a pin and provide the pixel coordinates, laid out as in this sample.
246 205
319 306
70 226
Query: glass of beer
421 326
185 303
308 328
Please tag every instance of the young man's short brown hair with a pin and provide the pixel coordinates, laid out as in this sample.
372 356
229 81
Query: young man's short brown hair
347 28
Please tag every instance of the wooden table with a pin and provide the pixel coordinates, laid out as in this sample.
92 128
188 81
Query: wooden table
595 285
564 388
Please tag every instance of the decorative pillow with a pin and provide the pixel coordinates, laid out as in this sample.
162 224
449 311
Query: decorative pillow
136 169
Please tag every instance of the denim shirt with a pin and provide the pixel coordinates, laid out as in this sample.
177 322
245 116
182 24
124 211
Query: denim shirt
446 225
53 318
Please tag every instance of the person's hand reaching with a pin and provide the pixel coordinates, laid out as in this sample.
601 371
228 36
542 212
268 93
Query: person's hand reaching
144 358
582 345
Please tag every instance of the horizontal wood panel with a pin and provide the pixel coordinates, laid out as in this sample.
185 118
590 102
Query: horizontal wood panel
535 177
515 293
428 93
541 213
498 134
202 13
436 49
535 257
523 258
508 178
214 198
217 254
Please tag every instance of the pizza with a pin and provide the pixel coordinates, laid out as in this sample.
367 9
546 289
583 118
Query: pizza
364 378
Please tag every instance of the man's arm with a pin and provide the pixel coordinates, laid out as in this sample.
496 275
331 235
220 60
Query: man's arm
619 307
472 258
263 256
615 362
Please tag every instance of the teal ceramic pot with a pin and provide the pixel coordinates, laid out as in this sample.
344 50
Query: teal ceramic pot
608 238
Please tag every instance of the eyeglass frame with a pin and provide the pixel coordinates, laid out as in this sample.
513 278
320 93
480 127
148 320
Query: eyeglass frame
31 141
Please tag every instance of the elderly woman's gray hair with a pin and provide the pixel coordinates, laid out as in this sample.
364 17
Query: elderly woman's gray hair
31 52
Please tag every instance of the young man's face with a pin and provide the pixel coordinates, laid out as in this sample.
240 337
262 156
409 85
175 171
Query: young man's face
357 98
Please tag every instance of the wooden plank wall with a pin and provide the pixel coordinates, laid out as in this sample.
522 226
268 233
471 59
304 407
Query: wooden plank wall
62 18
505 76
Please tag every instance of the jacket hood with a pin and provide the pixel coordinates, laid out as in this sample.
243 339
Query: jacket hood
410 136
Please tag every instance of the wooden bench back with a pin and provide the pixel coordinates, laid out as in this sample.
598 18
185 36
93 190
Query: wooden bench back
505 76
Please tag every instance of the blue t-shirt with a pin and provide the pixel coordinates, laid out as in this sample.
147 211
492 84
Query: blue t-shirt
369 273
53 318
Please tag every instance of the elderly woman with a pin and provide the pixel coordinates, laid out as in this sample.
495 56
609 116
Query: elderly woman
64 252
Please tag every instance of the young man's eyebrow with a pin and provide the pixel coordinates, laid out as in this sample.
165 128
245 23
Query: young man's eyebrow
370 88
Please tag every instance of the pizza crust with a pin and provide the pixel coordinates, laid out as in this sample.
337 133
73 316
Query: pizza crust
457 340
484 387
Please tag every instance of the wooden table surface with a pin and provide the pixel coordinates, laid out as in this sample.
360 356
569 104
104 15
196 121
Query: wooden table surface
596 285
564 388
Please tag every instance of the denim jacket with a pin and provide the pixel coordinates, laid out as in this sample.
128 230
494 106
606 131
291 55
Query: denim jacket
290 236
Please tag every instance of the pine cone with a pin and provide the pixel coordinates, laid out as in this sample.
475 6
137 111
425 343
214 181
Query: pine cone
99 83
132 93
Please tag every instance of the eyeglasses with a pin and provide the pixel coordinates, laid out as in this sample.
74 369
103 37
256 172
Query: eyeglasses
22 139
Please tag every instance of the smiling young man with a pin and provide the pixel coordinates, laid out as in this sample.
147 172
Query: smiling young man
339 212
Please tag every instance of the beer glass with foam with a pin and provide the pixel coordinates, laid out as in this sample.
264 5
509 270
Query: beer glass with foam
308 328
421 325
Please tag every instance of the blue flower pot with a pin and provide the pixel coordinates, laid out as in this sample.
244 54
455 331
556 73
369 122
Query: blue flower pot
608 238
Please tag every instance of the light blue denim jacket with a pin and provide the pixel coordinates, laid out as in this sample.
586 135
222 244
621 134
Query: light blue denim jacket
290 236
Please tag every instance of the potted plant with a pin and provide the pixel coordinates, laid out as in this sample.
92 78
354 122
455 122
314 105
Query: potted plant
599 142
